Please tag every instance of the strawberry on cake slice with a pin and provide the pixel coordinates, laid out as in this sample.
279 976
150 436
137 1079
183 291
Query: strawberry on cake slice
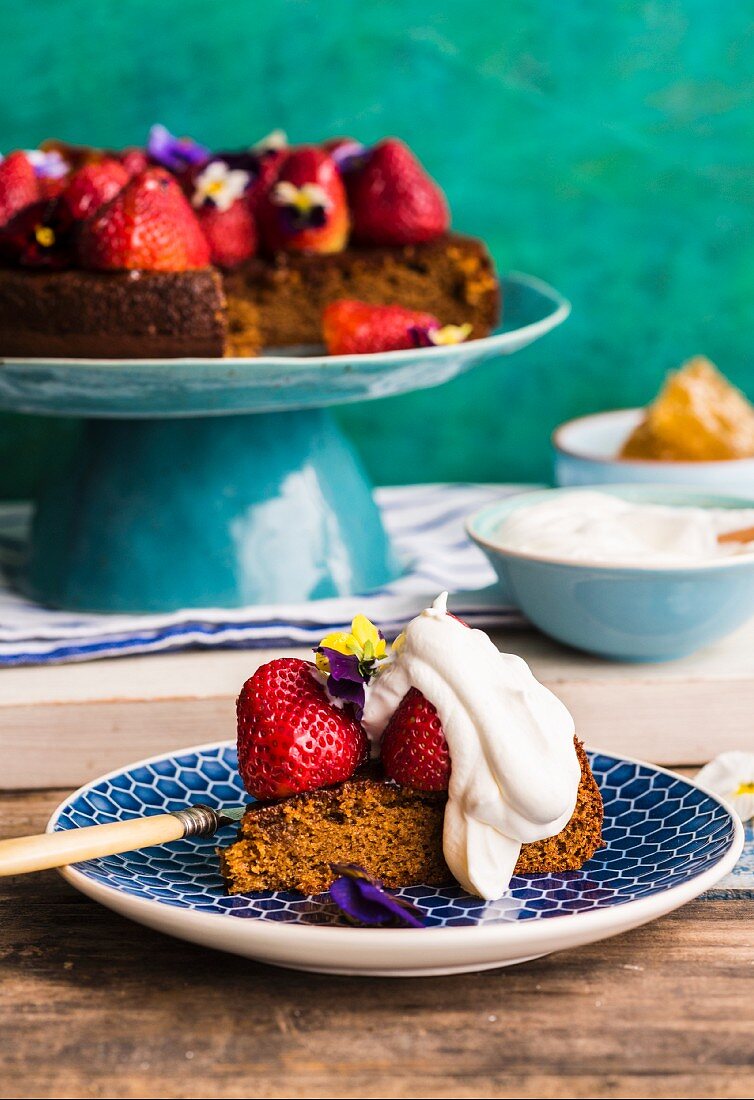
476 773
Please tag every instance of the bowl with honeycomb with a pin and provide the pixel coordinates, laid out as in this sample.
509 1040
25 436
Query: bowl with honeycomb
699 431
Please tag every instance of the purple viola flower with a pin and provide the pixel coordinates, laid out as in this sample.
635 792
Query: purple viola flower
364 900
420 336
345 679
48 164
426 336
349 156
173 152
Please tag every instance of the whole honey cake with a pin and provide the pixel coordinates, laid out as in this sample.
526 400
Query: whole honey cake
173 250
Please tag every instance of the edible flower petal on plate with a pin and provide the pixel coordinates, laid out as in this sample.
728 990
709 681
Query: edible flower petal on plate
731 776
364 900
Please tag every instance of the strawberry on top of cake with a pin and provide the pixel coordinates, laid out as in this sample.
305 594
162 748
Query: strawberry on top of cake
269 237
476 773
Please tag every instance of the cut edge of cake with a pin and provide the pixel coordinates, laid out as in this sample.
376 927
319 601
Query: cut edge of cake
394 833
275 303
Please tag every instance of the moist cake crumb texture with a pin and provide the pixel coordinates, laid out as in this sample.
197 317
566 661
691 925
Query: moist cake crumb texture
393 832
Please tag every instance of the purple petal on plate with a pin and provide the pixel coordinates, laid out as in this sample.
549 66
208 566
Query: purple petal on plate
173 152
364 900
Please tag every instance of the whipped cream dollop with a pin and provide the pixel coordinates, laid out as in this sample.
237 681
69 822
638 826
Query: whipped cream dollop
593 527
514 771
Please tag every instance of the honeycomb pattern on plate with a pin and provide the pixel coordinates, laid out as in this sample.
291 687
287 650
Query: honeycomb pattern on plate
659 831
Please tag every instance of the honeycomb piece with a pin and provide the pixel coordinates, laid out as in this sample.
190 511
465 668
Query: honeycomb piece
643 443
697 417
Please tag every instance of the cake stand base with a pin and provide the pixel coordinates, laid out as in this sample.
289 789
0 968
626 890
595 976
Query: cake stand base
157 515
221 482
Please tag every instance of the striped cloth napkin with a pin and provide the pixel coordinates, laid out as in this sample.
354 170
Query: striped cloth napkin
426 526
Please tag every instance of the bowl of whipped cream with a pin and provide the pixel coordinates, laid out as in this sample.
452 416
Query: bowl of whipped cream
629 572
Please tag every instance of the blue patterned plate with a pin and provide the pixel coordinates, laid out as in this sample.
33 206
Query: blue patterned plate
666 841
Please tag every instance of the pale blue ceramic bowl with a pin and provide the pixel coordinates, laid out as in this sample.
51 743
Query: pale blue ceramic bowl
633 614
586 450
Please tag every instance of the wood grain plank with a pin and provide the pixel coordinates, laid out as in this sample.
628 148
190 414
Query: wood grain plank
91 1005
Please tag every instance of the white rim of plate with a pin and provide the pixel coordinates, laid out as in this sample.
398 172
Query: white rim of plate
537 933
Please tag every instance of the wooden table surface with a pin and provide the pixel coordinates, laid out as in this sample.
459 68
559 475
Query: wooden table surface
94 1006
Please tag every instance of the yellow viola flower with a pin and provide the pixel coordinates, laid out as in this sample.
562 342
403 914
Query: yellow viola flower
338 641
368 639
450 334
364 643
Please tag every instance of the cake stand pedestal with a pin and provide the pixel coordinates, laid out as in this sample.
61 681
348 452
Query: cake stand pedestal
224 483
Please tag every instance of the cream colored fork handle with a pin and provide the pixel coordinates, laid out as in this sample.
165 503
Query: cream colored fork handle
37 853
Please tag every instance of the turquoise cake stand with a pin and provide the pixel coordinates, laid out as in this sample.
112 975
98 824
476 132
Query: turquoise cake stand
224 482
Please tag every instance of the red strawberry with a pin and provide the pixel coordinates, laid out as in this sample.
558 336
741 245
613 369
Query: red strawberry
149 225
393 200
291 738
356 328
92 186
305 210
231 234
50 188
265 168
134 161
19 186
219 195
414 750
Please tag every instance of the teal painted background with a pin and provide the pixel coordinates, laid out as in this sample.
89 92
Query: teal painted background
608 148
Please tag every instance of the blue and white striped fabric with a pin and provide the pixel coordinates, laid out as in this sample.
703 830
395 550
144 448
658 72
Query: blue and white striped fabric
424 521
